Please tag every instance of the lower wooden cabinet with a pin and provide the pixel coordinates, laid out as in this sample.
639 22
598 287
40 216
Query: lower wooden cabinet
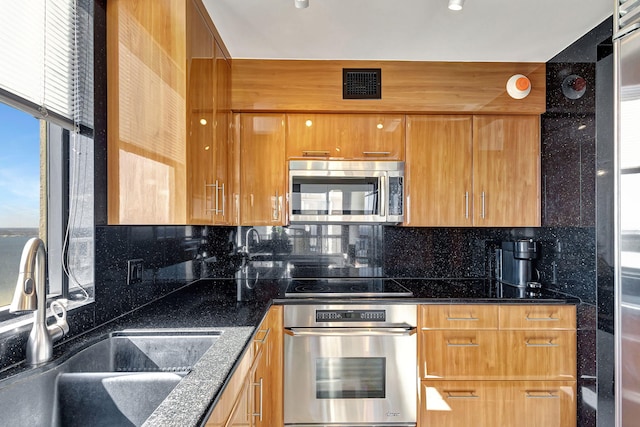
253 396
498 403
515 367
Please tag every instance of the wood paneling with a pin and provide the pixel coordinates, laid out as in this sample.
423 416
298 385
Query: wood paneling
411 87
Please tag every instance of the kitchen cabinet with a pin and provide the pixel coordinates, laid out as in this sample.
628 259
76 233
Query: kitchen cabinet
345 136
263 174
464 170
519 359
167 101
209 120
253 396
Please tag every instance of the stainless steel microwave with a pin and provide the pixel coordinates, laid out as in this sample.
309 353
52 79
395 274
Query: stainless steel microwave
346 191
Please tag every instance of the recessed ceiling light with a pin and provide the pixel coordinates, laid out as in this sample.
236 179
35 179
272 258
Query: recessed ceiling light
301 4
456 4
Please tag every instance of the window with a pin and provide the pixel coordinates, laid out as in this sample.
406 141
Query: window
46 156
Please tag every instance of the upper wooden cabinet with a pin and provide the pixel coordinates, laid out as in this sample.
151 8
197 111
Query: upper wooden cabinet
466 170
438 188
345 136
263 173
506 171
166 99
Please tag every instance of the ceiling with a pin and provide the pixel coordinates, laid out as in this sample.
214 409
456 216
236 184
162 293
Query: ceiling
412 30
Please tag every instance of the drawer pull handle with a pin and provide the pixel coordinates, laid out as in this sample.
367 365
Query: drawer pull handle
264 337
466 344
541 395
316 153
462 318
542 319
376 153
461 395
549 343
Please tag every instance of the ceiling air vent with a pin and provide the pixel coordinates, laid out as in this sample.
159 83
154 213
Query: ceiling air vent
361 83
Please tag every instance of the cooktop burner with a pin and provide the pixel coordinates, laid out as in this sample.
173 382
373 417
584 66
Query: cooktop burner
345 287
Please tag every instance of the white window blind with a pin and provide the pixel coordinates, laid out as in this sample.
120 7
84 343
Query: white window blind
38 50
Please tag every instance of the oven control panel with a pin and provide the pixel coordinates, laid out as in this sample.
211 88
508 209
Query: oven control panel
351 315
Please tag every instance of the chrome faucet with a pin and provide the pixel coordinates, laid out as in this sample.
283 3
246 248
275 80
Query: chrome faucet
245 250
30 295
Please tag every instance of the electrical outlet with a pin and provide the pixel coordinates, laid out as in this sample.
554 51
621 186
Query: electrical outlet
134 271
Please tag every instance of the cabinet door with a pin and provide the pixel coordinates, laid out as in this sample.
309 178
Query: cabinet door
532 317
438 171
201 78
506 171
262 169
345 136
241 415
460 403
268 392
374 137
221 169
147 174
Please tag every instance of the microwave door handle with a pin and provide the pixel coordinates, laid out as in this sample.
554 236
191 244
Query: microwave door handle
383 195
364 331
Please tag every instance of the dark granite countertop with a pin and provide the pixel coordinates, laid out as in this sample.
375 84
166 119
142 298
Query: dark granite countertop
214 304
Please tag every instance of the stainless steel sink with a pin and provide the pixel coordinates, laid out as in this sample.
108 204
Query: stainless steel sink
120 380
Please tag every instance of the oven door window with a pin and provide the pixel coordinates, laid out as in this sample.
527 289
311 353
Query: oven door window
335 196
350 378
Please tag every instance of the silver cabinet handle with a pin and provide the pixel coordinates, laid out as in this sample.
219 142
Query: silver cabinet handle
466 205
376 153
549 343
259 413
275 213
223 200
217 210
316 153
264 338
546 395
542 319
469 344
462 318
483 206
460 395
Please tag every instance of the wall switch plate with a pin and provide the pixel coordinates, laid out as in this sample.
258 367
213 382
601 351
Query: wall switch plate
134 271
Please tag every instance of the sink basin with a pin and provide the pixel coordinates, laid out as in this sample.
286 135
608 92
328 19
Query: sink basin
145 351
120 380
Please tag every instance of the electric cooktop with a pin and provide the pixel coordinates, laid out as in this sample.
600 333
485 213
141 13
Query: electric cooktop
345 287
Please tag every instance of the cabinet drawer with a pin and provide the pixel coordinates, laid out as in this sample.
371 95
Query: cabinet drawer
538 317
459 354
460 403
498 355
537 355
459 316
498 403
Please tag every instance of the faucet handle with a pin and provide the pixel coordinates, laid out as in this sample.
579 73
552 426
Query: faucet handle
61 327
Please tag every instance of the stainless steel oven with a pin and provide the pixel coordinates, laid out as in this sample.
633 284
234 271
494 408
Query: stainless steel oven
348 365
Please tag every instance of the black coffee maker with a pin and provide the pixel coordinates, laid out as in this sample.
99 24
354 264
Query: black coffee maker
515 262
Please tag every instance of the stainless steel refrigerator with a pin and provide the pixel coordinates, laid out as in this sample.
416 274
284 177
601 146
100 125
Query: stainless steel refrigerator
627 221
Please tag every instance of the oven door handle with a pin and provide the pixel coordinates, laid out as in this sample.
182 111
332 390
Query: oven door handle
340 332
